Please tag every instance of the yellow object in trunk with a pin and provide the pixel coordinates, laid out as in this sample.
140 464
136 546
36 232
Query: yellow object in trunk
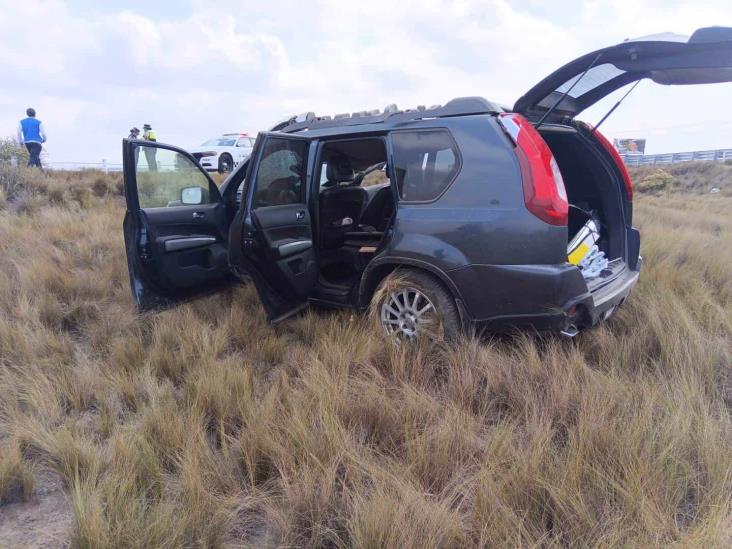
579 247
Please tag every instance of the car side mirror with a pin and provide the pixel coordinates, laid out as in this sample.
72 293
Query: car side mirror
191 196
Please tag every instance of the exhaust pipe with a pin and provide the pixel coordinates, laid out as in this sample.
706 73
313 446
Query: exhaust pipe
570 331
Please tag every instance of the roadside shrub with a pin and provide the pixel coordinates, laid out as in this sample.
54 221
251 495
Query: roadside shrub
100 187
655 182
23 190
15 181
12 151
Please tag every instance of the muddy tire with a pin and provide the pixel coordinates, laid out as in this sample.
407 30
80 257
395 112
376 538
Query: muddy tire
411 304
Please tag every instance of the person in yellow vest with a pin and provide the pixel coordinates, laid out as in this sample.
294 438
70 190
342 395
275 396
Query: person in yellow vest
148 134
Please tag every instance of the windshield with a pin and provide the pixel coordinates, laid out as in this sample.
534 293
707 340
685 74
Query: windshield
220 142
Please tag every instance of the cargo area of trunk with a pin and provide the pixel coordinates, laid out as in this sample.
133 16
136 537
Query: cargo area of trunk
593 188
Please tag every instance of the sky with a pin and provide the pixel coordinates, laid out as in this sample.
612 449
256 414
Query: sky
194 69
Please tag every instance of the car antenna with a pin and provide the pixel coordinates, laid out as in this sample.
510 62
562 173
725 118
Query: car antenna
615 106
547 113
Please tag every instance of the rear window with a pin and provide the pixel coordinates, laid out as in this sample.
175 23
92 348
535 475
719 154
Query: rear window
594 78
425 163
220 142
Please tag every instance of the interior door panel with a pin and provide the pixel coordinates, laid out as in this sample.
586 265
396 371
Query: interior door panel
189 249
271 237
175 250
287 229
187 243
286 222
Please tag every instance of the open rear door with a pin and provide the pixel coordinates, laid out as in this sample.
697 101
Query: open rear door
703 58
271 237
175 227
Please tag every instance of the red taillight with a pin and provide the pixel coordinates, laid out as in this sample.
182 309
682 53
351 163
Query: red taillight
544 192
616 158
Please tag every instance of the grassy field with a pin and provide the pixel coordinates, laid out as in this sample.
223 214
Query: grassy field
204 426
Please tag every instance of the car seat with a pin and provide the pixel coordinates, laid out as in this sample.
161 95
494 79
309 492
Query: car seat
378 211
340 203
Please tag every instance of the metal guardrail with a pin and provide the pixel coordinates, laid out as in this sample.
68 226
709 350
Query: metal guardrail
72 166
717 155
77 166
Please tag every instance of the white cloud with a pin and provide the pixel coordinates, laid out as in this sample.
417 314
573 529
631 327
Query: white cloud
232 65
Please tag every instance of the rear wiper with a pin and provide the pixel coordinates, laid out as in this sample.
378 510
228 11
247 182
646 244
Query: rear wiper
547 113
615 106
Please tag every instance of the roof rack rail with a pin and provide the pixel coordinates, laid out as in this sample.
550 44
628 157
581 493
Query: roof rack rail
459 106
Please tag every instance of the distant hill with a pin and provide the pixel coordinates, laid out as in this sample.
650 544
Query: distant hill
695 177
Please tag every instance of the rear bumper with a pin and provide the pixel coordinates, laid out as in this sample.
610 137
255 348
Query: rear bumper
540 297
208 163
602 301
209 166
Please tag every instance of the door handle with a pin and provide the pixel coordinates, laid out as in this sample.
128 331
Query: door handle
300 215
198 215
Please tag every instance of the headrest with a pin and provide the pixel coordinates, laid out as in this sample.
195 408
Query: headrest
339 169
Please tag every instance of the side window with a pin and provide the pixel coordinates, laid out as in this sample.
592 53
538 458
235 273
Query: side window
281 172
425 162
167 178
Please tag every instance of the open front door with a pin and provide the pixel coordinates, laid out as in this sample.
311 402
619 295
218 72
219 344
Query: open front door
703 58
271 237
175 227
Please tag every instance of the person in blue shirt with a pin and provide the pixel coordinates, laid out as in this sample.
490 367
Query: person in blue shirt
32 134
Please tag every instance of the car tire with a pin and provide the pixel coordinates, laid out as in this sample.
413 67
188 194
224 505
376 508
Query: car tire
411 304
226 163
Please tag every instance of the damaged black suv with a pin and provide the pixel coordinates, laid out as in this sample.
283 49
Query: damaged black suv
444 219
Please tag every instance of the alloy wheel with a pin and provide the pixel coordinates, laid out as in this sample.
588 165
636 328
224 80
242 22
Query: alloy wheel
409 313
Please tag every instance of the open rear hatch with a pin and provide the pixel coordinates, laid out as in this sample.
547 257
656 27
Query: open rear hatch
598 188
703 58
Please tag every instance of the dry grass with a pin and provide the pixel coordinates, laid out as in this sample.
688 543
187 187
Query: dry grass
203 426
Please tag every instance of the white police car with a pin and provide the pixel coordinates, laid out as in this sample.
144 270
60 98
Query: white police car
222 154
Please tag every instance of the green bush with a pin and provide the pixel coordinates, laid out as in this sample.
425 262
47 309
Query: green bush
23 189
9 149
655 182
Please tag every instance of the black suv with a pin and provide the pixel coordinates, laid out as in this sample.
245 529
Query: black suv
444 219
